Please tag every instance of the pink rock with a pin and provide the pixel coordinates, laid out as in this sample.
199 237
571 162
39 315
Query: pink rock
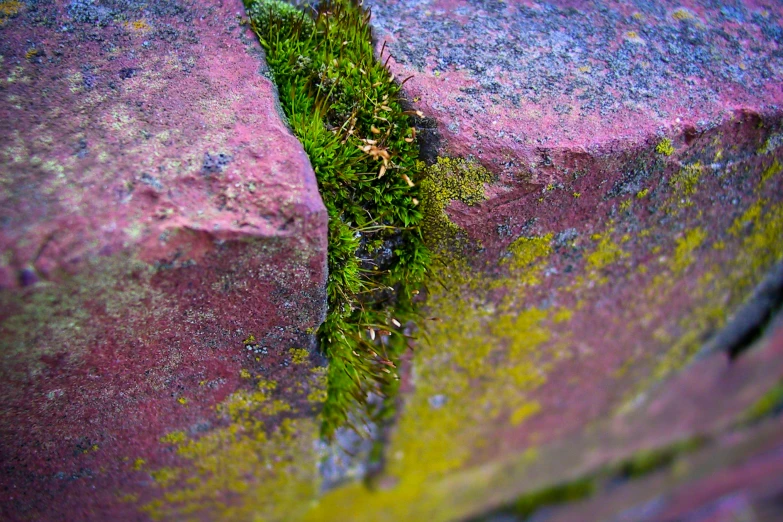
155 213
524 86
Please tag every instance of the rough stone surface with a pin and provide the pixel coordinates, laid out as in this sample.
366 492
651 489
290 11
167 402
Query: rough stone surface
162 248
577 317
523 84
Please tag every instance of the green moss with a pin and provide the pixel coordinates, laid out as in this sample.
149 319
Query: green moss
769 403
665 147
572 491
648 461
345 108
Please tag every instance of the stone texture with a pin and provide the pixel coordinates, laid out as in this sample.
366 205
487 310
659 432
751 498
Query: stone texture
560 350
162 247
580 315
524 85
636 204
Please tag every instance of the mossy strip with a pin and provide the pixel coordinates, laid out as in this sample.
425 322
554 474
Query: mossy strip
768 404
647 461
345 108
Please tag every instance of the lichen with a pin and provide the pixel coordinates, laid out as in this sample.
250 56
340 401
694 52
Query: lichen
263 457
685 181
665 147
9 9
773 170
443 182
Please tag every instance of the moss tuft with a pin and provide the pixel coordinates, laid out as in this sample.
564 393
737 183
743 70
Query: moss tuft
345 108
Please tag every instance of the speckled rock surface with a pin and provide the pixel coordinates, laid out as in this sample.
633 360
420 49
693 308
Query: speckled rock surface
523 84
162 251
591 284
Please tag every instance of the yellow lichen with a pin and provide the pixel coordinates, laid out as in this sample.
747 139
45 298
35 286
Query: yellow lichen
605 253
525 411
682 14
174 437
525 252
299 355
446 181
771 171
665 147
9 8
686 246
685 181
138 26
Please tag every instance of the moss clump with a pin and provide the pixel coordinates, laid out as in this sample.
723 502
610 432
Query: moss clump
344 106
665 147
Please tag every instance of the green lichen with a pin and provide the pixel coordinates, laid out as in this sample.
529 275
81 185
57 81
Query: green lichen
345 108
